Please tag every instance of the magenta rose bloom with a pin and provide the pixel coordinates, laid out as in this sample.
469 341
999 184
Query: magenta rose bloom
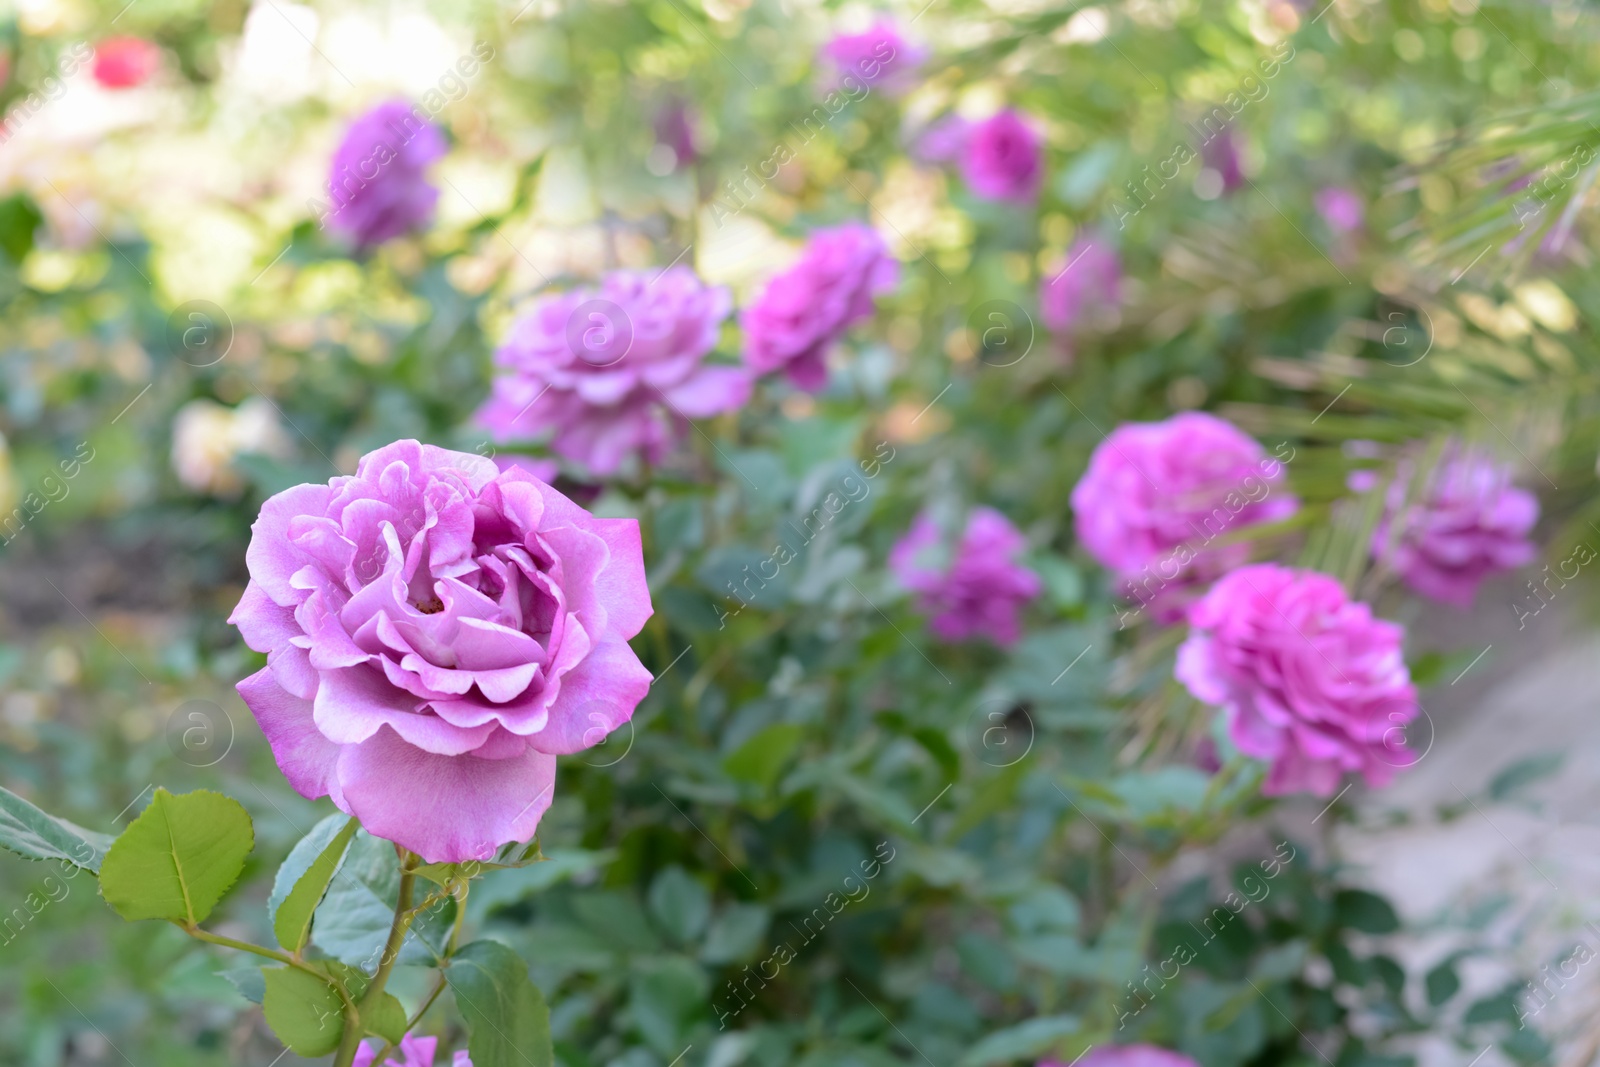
1468 522
977 590
1092 276
1129 1056
1340 208
377 179
1309 680
879 56
617 370
418 1052
1002 158
1157 495
437 631
803 311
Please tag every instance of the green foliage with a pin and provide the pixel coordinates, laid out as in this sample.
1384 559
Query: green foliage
506 1015
304 878
352 922
304 1010
27 831
178 858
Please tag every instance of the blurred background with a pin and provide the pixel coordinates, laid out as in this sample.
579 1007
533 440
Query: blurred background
1343 226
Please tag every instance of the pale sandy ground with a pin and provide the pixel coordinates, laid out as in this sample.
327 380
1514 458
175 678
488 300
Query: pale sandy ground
1537 691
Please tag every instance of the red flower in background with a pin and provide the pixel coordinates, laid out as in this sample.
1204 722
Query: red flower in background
124 62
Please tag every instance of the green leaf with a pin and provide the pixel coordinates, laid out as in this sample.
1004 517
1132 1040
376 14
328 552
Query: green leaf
759 760
681 905
507 1020
19 219
1367 912
1442 982
247 979
1523 773
387 1018
736 934
1024 1041
352 922
178 858
304 877
28 831
304 1011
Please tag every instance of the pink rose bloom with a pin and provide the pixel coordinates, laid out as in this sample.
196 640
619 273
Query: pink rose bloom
1468 523
377 177
880 57
977 592
1157 494
617 370
418 1052
1092 275
801 313
1129 1056
1002 158
1340 208
124 62
437 631
1308 679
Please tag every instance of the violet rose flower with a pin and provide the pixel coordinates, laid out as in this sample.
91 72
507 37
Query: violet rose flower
1002 158
377 178
1128 1056
801 312
976 591
1308 679
615 371
879 56
1156 495
1468 523
437 631
1091 276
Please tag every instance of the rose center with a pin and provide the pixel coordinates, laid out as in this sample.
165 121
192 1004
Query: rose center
431 606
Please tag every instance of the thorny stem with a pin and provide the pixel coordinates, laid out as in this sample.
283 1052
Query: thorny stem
438 986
